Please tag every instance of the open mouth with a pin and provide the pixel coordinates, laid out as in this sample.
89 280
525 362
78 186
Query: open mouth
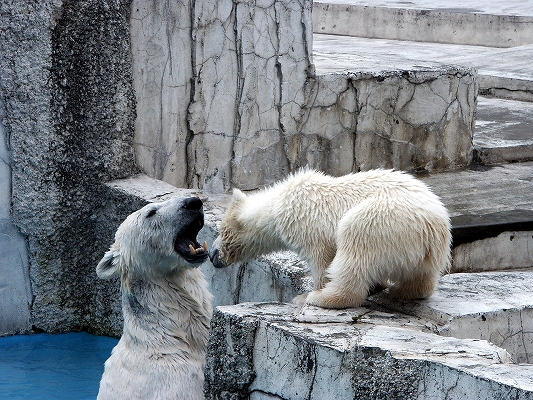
187 246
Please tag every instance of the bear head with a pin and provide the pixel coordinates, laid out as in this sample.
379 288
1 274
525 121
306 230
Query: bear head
232 242
157 240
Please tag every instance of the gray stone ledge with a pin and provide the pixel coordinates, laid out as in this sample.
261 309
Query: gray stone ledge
280 357
494 306
439 22
150 189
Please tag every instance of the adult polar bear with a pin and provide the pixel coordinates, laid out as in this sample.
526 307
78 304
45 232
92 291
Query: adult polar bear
165 301
359 231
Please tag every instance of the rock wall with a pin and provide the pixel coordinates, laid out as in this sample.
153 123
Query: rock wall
251 65
277 351
219 85
161 48
67 88
15 295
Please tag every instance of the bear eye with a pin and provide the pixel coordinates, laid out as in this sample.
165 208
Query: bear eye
151 213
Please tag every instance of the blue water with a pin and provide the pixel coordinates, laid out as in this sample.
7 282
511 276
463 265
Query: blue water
67 366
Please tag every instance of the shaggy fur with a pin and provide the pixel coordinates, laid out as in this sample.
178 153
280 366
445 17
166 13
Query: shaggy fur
165 301
359 231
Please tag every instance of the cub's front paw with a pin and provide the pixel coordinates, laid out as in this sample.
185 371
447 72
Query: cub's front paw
315 298
321 298
300 299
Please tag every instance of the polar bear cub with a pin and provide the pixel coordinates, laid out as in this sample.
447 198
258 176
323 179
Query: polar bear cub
165 302
357 232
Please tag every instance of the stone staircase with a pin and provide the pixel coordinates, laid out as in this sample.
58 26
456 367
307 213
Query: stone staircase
494 37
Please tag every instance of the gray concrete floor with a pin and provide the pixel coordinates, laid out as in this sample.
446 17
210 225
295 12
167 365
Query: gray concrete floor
333 53
485 190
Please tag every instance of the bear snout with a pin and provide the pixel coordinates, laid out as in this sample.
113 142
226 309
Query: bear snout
214 256
193 203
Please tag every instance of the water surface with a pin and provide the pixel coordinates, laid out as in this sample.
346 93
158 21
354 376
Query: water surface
67 366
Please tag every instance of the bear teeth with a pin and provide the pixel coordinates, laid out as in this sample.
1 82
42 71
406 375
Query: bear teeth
201 249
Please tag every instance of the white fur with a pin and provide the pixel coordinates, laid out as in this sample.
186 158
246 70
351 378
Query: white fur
375 228
167 311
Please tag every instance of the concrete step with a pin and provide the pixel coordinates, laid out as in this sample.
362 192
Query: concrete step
471 340
492 306
504 131
496 23
506 73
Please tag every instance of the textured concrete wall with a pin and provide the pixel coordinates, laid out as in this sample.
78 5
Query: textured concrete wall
418 120
162 48
24 75
66 83
431 23
232 99
250 70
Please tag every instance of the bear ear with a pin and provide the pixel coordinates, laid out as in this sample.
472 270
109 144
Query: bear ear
238 196
107 267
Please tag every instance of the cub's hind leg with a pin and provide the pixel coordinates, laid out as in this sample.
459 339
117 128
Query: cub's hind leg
418 287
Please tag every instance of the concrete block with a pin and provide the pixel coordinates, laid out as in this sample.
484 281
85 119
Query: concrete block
276 277
480 24
508 250
504 131
410 120
266 351
260 69
415 120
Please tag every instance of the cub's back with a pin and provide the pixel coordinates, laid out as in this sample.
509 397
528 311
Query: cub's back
313 193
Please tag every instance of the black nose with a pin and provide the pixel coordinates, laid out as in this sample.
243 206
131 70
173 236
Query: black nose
192 203
214 256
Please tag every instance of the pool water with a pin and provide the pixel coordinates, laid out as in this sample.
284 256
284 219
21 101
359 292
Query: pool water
67 366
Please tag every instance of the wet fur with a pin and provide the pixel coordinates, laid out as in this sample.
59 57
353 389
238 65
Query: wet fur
356 232
166 307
